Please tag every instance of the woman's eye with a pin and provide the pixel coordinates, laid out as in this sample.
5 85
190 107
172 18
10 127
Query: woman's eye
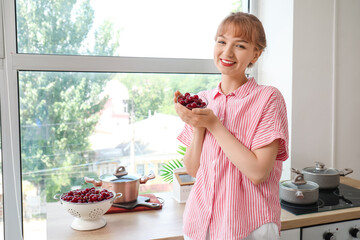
221 42
240 46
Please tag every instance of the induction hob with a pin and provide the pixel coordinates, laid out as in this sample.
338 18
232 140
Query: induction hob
341 197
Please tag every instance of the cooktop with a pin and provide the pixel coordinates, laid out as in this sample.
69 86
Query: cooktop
341 197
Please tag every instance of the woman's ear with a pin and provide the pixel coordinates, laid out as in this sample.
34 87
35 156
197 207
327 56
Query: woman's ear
256 56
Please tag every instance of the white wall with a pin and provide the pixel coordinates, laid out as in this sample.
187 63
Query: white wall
312 83
325 76
326 71
347 94
275 65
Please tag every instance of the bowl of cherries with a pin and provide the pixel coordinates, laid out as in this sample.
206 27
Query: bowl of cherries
192 101
87 206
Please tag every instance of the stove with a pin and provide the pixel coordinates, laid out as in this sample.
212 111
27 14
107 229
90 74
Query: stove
341 197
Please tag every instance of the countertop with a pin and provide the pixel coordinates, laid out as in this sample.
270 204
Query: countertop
166 223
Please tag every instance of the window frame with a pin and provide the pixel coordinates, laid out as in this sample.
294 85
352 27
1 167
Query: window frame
13 62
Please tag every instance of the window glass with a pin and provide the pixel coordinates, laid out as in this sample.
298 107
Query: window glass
140 169
141 28
75 124
1 190
159 168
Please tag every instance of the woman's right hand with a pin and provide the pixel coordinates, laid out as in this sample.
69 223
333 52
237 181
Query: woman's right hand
197 117
181 111
176 94
184 113
193 152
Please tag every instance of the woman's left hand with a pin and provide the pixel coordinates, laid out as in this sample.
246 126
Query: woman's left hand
197 117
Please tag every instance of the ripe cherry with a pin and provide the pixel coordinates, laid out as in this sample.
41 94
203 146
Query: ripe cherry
191 101
87 195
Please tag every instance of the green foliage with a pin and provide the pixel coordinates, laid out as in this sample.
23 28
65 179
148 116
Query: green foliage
53 26
59 110
155 92
237 6
169 167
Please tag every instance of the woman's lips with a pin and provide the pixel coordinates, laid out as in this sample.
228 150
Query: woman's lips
226 63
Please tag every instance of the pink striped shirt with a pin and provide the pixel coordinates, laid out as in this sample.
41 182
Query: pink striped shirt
222 198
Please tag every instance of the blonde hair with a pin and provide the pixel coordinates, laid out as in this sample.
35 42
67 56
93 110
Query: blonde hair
246 26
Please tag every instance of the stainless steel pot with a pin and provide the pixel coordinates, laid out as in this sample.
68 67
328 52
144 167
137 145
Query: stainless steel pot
326 177
121 182
299 191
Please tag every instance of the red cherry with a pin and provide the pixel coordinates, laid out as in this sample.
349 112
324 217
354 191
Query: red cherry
191 101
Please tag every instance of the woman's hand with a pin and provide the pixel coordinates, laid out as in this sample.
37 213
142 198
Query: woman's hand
193 151
196 117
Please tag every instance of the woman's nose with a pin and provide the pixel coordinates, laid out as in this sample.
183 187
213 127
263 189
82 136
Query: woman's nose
229 51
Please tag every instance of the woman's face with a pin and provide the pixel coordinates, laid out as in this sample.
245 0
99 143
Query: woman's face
232 55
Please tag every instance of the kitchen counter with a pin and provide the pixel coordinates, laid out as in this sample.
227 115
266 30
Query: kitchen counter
166 224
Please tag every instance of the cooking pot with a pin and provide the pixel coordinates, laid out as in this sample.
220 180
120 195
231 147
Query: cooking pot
326 177
121 182
299 191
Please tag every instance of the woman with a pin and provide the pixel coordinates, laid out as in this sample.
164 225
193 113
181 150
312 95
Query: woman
235 147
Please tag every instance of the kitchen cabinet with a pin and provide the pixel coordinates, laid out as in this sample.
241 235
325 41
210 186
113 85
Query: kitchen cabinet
292 234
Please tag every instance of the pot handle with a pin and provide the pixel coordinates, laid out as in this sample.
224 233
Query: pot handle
320 166
150 176
120 171
57 196
299 194
295 171
299 179
345 171
93 181
117 195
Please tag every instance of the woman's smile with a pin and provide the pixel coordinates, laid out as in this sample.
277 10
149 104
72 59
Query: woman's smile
226 63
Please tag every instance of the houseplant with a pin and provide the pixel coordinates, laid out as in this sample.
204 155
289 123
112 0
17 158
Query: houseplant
169 167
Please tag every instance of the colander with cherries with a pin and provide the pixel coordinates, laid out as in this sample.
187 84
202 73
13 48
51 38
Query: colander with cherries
87 206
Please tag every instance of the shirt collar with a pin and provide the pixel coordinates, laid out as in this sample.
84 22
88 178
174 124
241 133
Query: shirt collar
241 92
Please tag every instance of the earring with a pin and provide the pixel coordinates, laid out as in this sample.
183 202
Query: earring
248 72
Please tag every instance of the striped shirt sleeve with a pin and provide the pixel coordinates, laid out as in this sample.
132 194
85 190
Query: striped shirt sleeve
273 125
186 135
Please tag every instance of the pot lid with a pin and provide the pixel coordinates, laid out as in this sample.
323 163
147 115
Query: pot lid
321 169
113 178
120 175
307 186
299 183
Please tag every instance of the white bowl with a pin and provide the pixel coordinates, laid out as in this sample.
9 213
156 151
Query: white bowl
89 216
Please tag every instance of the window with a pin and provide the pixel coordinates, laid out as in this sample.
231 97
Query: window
83 129
140 169
1 190
139 28
84 81
159 167
77 124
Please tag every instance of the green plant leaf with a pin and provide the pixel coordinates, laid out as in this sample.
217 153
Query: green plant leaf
181 150
169 167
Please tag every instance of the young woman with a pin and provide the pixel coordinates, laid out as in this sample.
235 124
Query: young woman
235 146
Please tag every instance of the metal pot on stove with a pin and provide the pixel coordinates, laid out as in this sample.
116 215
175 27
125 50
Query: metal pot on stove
299 191
326 178
121 182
